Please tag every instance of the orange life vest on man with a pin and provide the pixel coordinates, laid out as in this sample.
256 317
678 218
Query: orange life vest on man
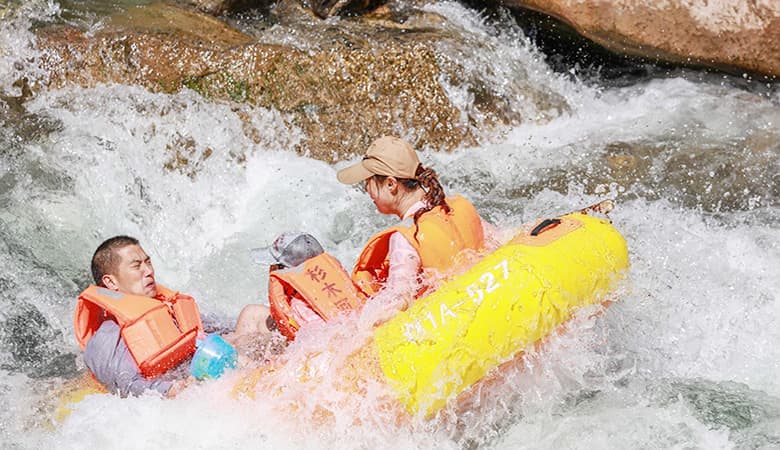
323 285
440 238
160 332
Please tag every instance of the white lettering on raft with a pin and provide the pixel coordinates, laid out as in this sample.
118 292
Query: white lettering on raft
477 292
412 331
489 283
444 311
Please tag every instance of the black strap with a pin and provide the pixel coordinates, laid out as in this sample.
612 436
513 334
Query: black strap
546 223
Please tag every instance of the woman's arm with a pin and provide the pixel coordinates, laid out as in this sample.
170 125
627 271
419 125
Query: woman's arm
400 287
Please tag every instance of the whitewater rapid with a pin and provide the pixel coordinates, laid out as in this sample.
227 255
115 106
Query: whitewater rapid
686 358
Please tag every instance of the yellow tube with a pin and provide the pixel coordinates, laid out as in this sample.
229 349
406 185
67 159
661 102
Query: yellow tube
511 299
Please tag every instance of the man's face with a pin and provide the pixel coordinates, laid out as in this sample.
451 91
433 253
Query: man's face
134 274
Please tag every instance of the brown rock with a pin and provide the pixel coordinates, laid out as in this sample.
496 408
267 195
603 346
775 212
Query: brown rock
186 24
341 100
327 8
218 7
736 36
342 94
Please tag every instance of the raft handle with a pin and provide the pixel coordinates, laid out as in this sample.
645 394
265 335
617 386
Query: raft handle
545 225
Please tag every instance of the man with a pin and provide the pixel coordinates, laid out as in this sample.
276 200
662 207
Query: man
132 330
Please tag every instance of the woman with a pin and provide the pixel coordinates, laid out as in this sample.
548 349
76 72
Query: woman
400 262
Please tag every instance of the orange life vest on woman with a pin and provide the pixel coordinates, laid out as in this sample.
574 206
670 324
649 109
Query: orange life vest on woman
440 238
160 332
321 282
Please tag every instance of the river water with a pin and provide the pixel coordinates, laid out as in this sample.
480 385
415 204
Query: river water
687 358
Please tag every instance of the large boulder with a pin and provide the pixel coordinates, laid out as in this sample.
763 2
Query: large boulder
218 7
729 35
321 8
341 94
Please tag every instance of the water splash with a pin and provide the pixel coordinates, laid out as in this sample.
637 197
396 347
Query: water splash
686 357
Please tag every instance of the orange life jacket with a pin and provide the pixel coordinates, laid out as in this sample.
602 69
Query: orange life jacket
321 282
440 238
160 332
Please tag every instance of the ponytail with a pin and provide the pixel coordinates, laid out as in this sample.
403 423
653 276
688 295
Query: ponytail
434 193
426 179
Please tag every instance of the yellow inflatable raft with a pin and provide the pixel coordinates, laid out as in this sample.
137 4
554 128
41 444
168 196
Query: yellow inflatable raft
510 300
70 393
503 305
506 303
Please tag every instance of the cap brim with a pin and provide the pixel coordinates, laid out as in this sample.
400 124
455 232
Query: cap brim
354 174
262 256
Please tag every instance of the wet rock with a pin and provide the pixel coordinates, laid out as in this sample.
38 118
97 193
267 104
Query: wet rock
711 178
181 23
338 99
185 156
218 7
726 35
23 125
365 82
327 8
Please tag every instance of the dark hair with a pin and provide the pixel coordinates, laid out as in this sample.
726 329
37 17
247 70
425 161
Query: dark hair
105 258
427 179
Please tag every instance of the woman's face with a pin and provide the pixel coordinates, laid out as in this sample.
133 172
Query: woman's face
381 194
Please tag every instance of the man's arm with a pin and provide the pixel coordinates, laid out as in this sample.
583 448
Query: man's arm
109 359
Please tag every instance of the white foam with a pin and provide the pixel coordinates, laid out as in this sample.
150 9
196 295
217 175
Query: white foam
701 301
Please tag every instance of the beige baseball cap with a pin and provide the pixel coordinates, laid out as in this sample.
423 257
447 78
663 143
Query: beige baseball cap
389 156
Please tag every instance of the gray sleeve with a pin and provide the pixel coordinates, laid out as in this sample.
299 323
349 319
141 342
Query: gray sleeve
108 358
